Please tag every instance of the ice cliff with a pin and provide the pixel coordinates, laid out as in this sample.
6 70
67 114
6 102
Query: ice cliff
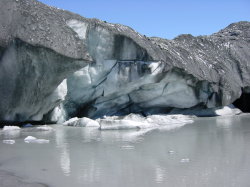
55 65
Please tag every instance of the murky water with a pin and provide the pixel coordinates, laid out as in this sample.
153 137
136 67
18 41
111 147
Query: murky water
209 152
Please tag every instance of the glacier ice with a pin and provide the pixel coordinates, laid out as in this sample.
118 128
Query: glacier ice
79 27
63 66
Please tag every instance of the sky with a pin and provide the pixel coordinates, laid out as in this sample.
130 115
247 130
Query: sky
162 18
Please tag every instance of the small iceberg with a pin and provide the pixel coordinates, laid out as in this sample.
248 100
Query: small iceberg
45 128
71 121
32 139
9 142
185 160
171 152
11 128
134 121
227 111
82 122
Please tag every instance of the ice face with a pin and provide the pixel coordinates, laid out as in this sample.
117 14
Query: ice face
79 27
133 87
32 81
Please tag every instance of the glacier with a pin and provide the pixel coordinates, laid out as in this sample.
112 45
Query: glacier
56 65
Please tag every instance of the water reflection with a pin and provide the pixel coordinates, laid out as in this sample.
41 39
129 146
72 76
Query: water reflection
160 174
62 146
90 173
11 134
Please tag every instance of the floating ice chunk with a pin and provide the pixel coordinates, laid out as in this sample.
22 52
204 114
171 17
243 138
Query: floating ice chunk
171 152
9 141
41 141
218 111
111 124
71 121
32 139
45 128
11 128
134 121
134 117
87 122
82 122
185 160
227 110
29 138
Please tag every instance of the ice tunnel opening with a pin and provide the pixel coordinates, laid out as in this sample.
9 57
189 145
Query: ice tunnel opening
243 103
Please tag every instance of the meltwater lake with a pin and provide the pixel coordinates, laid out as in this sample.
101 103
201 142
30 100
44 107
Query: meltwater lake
210 152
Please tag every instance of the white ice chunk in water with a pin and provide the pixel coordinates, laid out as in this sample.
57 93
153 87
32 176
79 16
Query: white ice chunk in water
41 141
71 121
29 138
45 128
9 141
32 139
112 124
185 160
228 110
11 128
134 121
171 152
82 122
87 122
